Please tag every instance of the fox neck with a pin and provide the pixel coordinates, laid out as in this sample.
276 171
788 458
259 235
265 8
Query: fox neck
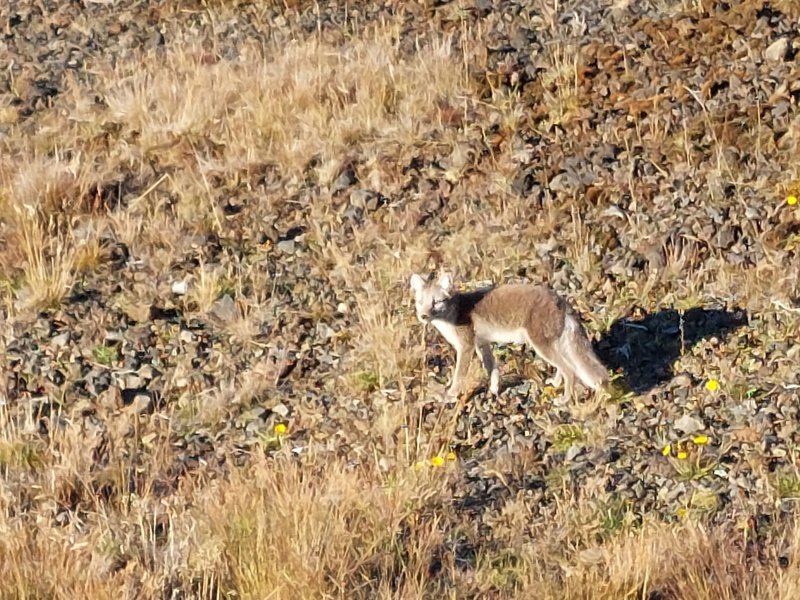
448 313
457 309
448 330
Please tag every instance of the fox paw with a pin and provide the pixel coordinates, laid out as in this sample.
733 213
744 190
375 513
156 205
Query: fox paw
556 380
494 383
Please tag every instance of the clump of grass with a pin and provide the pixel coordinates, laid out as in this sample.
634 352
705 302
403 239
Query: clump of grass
366 380
567 435
205 289
502 571
105 355
88 256
560 85
786 485
19 455
556 479
614 514
48 270
703 502
617 390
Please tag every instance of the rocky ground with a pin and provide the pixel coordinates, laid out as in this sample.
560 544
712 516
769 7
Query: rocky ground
209 212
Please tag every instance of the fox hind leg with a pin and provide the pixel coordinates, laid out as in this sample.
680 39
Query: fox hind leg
564 370
484 352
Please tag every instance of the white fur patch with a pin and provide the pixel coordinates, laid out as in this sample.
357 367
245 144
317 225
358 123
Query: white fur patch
498 335
449 332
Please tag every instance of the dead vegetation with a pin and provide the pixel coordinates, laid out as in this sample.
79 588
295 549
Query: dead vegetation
215 387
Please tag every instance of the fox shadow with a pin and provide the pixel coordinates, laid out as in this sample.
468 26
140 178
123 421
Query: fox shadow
645 349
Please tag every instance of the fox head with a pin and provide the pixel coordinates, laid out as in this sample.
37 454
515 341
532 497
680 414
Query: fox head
430 298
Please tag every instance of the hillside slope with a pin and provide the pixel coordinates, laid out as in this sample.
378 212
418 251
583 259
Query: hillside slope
215 386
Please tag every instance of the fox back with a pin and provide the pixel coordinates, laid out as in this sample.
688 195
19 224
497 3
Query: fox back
495 314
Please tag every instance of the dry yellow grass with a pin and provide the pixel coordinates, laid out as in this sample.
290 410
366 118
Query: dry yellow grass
101 515
326 530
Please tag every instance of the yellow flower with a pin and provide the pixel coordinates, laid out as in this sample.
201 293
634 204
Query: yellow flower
451 456
791 200
667 450
712 385
548 391
700 440
280 428
419 464
682 455
437 461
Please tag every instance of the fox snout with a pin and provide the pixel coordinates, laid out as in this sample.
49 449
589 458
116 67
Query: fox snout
424 315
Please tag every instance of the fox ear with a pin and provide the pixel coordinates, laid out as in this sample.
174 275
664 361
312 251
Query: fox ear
445 282
417 283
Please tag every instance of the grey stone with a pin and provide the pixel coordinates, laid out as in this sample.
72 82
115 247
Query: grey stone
565 183
281 409
225 308
777 49
286 246
689 425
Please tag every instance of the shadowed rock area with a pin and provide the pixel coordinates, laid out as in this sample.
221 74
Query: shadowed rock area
645 348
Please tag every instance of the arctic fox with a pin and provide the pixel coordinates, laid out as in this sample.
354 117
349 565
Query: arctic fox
513 313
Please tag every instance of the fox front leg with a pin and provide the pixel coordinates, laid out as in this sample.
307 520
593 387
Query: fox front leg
459 374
